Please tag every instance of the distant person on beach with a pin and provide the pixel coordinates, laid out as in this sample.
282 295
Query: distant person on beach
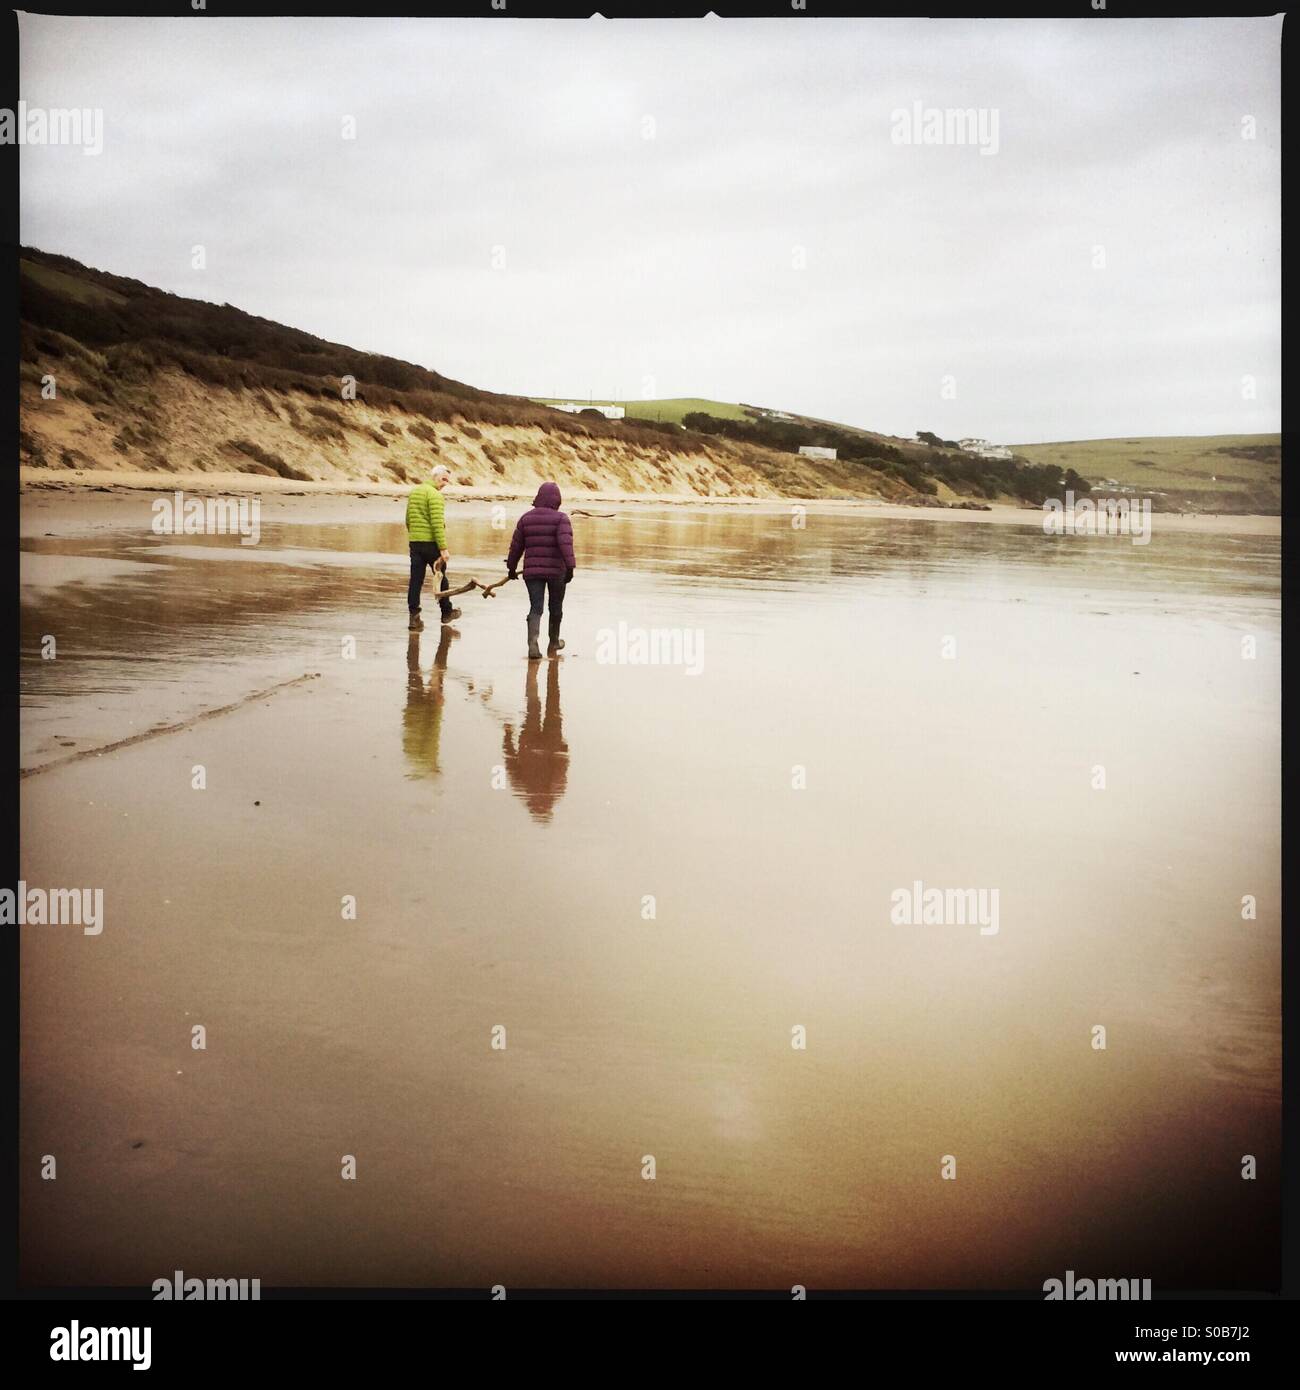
426 534
544 538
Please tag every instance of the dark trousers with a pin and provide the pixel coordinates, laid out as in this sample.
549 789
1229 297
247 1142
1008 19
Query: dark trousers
538 589
423 555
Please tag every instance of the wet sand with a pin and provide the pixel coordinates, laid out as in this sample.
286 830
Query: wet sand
500 826
72 502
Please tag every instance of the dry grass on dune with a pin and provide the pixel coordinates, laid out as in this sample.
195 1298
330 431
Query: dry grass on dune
120 377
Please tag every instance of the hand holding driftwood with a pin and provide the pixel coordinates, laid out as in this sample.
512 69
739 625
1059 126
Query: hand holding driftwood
451 593
489 590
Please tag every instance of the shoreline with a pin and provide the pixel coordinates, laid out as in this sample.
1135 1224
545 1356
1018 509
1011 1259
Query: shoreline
56 491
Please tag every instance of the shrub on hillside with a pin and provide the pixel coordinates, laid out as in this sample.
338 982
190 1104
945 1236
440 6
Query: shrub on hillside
267 460
652 426
323 432
29 447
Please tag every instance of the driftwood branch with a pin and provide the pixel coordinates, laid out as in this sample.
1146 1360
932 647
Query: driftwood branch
451 593
489 590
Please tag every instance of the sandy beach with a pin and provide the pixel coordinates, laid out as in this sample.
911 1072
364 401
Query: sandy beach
883 697
67 502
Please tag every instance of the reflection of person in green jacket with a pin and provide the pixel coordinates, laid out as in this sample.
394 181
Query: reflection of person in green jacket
537 759
422 717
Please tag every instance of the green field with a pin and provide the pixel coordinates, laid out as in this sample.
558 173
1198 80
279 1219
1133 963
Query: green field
675 407
1224 471
672 408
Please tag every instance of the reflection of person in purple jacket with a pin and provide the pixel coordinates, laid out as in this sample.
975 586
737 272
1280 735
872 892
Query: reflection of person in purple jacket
537 757
544 538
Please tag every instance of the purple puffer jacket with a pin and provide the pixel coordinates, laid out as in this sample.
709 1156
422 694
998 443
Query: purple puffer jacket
544 537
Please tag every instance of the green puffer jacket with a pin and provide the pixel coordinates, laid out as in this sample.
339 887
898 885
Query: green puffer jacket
424 516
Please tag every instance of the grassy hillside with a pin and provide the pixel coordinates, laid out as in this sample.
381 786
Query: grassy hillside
670 409
1225 472
150 382
120 377
676 408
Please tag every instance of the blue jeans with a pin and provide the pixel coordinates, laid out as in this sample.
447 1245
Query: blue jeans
538 589
423 555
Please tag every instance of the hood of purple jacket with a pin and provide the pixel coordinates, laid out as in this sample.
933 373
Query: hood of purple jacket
548 495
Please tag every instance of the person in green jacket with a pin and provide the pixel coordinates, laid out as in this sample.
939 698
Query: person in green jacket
426 535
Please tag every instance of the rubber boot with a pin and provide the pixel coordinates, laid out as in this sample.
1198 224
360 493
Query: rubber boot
534 632
553 628
417 623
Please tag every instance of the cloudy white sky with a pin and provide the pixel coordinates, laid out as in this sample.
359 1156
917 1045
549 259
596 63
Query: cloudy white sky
697 208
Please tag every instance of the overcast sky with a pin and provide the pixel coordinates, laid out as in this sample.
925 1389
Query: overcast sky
700 208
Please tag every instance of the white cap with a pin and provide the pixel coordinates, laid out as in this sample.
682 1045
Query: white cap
441 471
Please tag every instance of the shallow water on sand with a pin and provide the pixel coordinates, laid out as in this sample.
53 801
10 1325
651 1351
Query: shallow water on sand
859 705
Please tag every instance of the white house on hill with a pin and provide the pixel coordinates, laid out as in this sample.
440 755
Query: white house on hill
610 412
984 449
811 451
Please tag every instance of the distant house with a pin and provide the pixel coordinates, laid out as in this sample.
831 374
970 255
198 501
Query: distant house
811 451
610 412
984 449
764 413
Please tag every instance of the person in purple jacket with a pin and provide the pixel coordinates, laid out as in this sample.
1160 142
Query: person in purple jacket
544 538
